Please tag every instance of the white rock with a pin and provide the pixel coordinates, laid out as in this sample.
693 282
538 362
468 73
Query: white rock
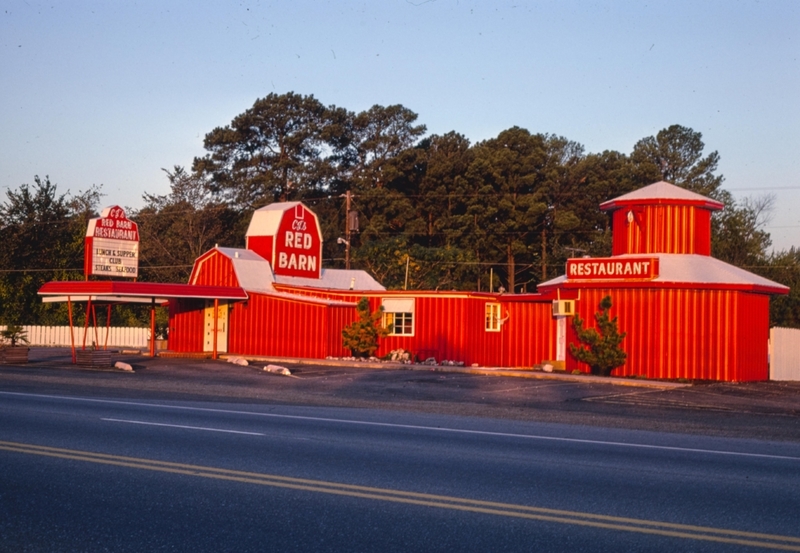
547 367
277 369
238 361
122 366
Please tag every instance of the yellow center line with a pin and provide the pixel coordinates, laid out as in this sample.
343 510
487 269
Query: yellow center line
704 533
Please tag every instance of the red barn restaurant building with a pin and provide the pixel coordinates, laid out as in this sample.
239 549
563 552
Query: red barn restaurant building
686 314
296 308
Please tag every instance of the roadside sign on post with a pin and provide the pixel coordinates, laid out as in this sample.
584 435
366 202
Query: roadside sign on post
111 246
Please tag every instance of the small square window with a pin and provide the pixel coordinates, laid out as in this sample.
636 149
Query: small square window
398 316
399 324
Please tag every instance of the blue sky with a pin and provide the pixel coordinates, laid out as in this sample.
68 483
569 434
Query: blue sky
98 92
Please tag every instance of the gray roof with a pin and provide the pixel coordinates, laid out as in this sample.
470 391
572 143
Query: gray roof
692 269
335 279
255 274
660 191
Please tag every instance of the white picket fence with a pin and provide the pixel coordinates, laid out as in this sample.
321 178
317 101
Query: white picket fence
128 337
784 343
784 353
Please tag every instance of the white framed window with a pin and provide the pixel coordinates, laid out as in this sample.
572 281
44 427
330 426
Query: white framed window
398 316
493 317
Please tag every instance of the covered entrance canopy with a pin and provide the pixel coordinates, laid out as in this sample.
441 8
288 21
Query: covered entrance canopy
153 293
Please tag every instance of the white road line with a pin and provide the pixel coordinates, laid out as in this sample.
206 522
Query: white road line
187 427
416 427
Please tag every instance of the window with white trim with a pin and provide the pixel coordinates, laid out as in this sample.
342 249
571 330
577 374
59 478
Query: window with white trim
492 317
398 316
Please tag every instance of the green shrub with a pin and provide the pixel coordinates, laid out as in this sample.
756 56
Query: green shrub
362 336
13 334
600 350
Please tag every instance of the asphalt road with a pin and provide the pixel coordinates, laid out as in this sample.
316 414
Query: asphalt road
767 410
207 457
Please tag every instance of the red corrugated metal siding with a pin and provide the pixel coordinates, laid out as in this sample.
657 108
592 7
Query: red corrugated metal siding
262 245
529 335
329 294
215 270
444 328
186 325
338 318
686 333
486 347
621 233
702 232
663 229
452 327
447 327
753 337
265 325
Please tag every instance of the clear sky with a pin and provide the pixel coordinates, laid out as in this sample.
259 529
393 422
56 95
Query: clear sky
109 92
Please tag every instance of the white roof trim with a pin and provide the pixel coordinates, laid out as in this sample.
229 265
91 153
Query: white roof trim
108 299
661 190
307 299
687 269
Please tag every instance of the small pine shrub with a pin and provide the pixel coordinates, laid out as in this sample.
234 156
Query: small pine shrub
363 335
599 349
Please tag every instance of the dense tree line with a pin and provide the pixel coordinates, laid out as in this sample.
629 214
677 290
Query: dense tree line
42 239
507 211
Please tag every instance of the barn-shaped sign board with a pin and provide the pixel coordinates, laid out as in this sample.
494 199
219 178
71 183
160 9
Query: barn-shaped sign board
288 235
111 246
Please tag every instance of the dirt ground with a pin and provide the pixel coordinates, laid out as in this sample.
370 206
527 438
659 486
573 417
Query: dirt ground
759 410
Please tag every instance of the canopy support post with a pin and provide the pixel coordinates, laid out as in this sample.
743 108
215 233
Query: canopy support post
86 323
71 330
216 315
94 320
153 327
108 326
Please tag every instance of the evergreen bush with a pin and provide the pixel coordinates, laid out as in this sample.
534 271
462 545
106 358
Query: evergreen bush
362 336
600 350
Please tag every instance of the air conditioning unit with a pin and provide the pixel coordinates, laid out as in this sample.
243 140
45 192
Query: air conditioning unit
563 307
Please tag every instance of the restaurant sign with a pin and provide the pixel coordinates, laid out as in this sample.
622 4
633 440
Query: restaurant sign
611 268
111 247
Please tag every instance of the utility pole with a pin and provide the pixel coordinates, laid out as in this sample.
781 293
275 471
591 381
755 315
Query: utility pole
544 255
347 231
350 226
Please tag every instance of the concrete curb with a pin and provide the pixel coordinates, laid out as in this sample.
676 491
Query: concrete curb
481 371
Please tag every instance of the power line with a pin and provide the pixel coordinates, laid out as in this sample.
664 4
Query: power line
59 269
38 270
763 188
